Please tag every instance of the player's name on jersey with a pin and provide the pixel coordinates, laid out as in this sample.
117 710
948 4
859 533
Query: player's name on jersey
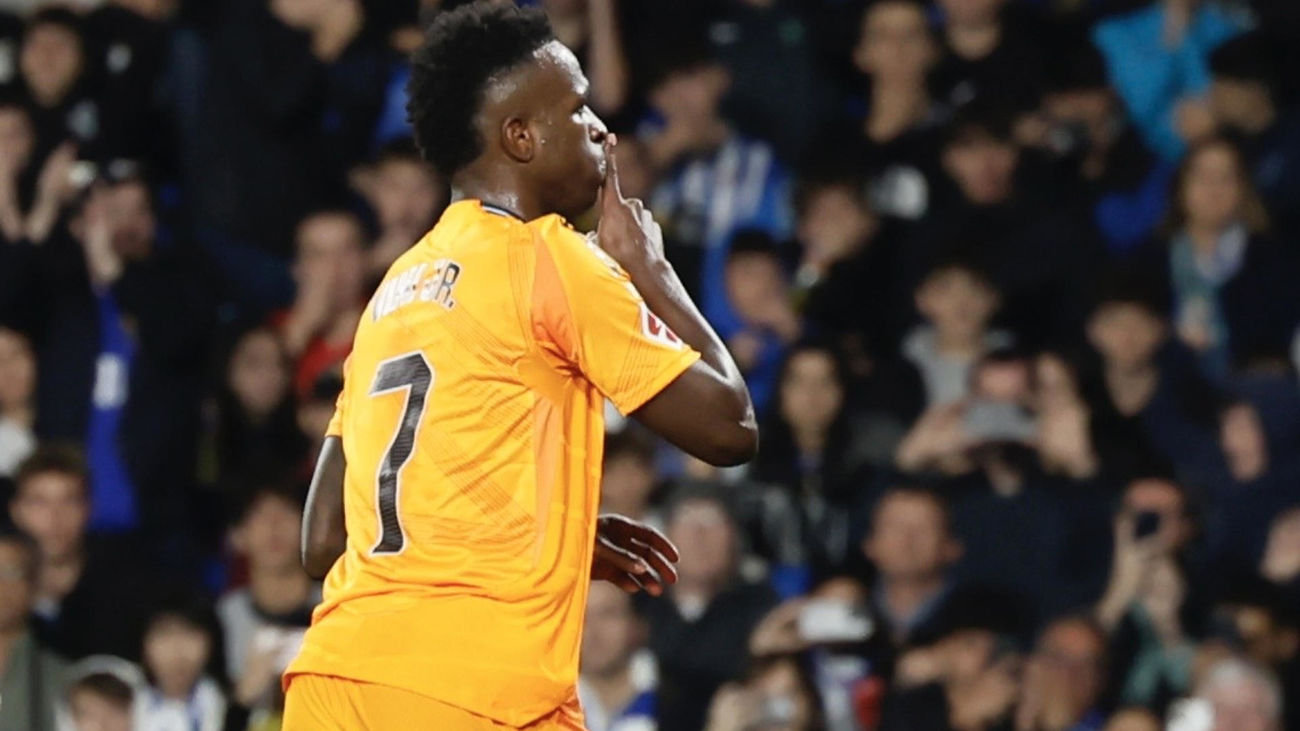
423 282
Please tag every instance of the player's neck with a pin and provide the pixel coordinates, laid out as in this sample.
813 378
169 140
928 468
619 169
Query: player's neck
499 189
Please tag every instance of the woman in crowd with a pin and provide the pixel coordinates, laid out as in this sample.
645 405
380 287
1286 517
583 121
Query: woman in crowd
813 463
254 434
1229 283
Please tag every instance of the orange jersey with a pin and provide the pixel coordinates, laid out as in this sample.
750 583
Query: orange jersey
472 422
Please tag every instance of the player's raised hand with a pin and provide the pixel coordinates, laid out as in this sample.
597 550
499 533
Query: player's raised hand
633 556
627 231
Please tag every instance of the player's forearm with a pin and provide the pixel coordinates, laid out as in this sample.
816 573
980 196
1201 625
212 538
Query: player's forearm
664 293
324 534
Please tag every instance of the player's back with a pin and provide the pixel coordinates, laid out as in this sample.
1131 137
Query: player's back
472 427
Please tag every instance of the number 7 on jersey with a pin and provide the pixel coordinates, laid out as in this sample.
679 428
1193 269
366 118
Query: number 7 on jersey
411 373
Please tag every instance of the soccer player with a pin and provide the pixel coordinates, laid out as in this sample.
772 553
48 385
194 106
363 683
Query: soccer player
454 502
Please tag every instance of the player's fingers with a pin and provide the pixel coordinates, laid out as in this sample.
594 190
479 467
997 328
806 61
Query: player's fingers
653 587
620 558
610 191
656 540
657 561
626 582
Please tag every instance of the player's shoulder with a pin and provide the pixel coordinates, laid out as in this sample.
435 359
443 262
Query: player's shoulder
573 252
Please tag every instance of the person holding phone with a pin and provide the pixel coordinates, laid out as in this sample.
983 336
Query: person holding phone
1148 607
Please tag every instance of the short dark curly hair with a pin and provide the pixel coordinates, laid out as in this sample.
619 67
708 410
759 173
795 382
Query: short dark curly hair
462 50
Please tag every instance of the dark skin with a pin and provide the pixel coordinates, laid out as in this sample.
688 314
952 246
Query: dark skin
546 152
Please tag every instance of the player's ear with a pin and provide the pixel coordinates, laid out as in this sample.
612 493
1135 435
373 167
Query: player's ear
518 139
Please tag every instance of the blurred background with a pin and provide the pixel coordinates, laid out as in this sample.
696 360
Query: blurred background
1015 285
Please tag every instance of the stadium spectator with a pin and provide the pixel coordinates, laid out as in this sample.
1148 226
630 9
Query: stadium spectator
1150 406
33 193
835 649
628 478
1148 606
127 43
990 51
405 195
1064 678
1247 101
1260 471
180 643
764 44
618 677
127 321
956 301
846 252
912 549
253 431
698 155
292 92
77 577
58 81
1082 127
331 275
779 693
262 624
759 294
591 29
951 439
897 134
101 702
1257 618
1157 56
1015 522
814 468
17 400
31 678
1039 255
1242 696
965 679
1224 275
700 629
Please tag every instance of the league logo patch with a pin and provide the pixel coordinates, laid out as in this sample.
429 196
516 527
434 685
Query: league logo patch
657 330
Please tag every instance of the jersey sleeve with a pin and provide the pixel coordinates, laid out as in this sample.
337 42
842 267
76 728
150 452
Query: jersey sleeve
335 428
587 311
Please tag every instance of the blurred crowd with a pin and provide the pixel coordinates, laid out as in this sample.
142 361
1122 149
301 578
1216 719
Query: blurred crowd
1013 283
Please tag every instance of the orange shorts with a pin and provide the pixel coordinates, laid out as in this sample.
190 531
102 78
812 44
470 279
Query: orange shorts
324 703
